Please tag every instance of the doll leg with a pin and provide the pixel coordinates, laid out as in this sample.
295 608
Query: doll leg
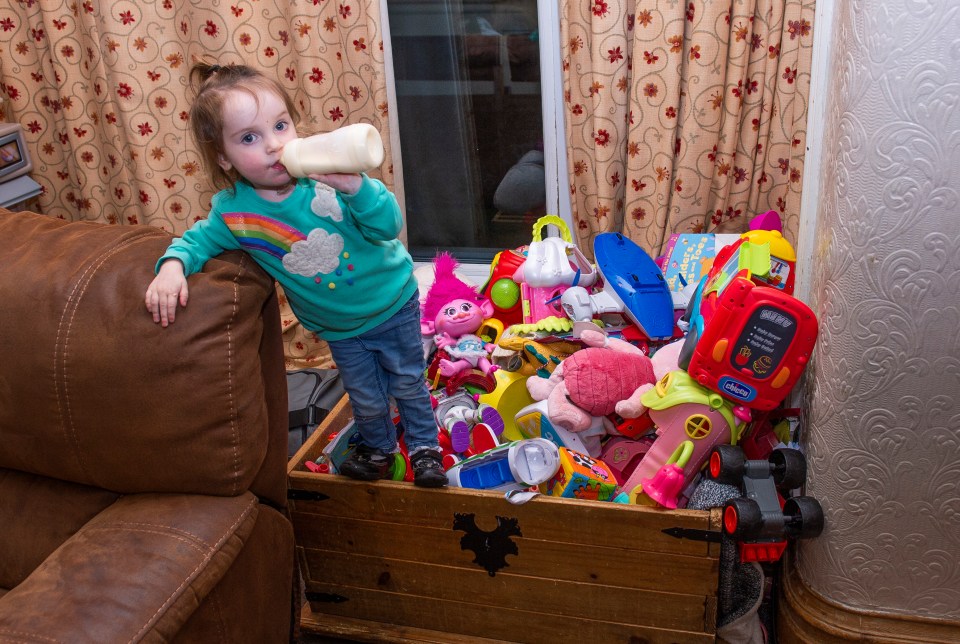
448 368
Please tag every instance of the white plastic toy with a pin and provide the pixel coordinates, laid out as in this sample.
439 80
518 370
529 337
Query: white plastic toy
514 466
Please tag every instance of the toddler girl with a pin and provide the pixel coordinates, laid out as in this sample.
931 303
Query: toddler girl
331 242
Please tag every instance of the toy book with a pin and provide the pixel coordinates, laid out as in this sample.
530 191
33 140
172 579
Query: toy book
687 259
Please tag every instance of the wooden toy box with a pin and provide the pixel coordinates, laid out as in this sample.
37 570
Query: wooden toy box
391 562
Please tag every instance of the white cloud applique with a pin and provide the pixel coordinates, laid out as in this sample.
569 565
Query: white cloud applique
325 203
318 253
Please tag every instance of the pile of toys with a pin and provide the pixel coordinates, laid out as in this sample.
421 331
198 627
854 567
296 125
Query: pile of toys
630 380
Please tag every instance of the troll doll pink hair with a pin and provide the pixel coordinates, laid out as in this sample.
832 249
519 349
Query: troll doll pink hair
446 287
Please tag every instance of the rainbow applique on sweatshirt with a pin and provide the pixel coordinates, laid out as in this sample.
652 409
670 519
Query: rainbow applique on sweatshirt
260 233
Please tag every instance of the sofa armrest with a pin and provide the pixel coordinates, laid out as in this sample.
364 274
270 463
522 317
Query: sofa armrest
94 392
136 571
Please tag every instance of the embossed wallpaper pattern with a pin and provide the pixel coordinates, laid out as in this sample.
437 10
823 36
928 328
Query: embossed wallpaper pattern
884 406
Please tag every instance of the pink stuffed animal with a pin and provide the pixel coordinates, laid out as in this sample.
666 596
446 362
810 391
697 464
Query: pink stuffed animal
453 312
608 376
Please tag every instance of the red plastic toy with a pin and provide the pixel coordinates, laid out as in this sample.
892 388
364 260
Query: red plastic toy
500 288
762 520
755 345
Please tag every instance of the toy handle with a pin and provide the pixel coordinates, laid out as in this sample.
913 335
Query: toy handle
681 455
546 220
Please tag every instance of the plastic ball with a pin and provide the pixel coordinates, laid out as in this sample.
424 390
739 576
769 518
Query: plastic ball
505 293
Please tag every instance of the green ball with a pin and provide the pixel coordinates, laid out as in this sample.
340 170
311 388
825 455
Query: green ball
505 293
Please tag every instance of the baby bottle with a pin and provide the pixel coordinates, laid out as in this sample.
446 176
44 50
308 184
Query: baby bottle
351 148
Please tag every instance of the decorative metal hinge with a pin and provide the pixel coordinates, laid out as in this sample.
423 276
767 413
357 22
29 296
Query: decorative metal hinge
491 548
330 598
710 536
306 495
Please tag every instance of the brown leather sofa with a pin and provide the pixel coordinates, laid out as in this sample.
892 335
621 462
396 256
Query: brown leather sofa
142 470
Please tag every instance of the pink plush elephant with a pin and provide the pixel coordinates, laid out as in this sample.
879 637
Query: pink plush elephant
607 376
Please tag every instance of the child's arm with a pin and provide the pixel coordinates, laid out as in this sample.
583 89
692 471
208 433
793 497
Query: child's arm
348 184
374 210
185 256
166 289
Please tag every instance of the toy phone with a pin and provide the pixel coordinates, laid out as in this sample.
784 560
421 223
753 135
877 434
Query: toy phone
755 345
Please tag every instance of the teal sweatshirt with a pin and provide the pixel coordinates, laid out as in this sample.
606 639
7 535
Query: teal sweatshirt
337 256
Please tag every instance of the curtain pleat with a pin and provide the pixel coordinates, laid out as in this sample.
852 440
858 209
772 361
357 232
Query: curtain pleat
684 117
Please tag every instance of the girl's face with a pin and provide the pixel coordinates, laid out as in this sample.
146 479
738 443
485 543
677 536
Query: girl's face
254 133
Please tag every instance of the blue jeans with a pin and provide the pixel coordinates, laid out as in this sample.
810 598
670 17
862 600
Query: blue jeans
386 362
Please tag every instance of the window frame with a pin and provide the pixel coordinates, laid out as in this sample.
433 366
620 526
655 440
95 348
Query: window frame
552 112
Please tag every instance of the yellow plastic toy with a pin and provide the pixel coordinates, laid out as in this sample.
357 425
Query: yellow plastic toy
509 396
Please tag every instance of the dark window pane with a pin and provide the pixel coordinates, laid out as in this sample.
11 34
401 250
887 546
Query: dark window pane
471 127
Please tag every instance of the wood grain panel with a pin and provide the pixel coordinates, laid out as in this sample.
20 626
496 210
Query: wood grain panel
450 619
614 567
588 523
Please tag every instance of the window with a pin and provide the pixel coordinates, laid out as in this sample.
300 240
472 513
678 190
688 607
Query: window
697 426
663 385
479 107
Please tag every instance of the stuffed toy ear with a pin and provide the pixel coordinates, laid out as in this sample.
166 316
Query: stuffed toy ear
665 359
633 407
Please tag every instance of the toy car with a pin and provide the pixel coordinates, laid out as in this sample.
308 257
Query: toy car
761 520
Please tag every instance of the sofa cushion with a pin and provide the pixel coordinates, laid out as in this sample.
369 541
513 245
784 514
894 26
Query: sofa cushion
89 383
38 514
139 570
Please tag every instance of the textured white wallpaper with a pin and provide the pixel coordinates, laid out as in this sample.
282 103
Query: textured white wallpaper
883 398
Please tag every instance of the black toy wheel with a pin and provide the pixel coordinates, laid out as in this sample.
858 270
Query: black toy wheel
789 468
803 517
726 464
742 519
689 346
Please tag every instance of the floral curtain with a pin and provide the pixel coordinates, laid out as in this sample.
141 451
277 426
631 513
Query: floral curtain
685 116
101 90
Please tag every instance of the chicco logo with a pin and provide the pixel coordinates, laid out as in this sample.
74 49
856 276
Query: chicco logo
737 389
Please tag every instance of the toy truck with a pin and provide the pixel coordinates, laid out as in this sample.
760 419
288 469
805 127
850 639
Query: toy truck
763 519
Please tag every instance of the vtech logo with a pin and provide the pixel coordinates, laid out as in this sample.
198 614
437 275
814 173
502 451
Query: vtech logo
736 389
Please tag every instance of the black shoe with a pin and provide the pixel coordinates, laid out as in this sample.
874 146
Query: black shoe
427 467
366 464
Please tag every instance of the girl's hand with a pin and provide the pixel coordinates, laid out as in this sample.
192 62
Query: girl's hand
166 289
348 184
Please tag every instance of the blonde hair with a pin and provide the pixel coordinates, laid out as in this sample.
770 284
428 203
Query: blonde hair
211 83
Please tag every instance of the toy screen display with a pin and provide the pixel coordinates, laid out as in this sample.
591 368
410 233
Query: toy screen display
763 341
9 154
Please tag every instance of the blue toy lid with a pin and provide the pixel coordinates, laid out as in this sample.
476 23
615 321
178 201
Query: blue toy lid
631 276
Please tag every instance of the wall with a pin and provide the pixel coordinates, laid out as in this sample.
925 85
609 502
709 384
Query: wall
883 401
